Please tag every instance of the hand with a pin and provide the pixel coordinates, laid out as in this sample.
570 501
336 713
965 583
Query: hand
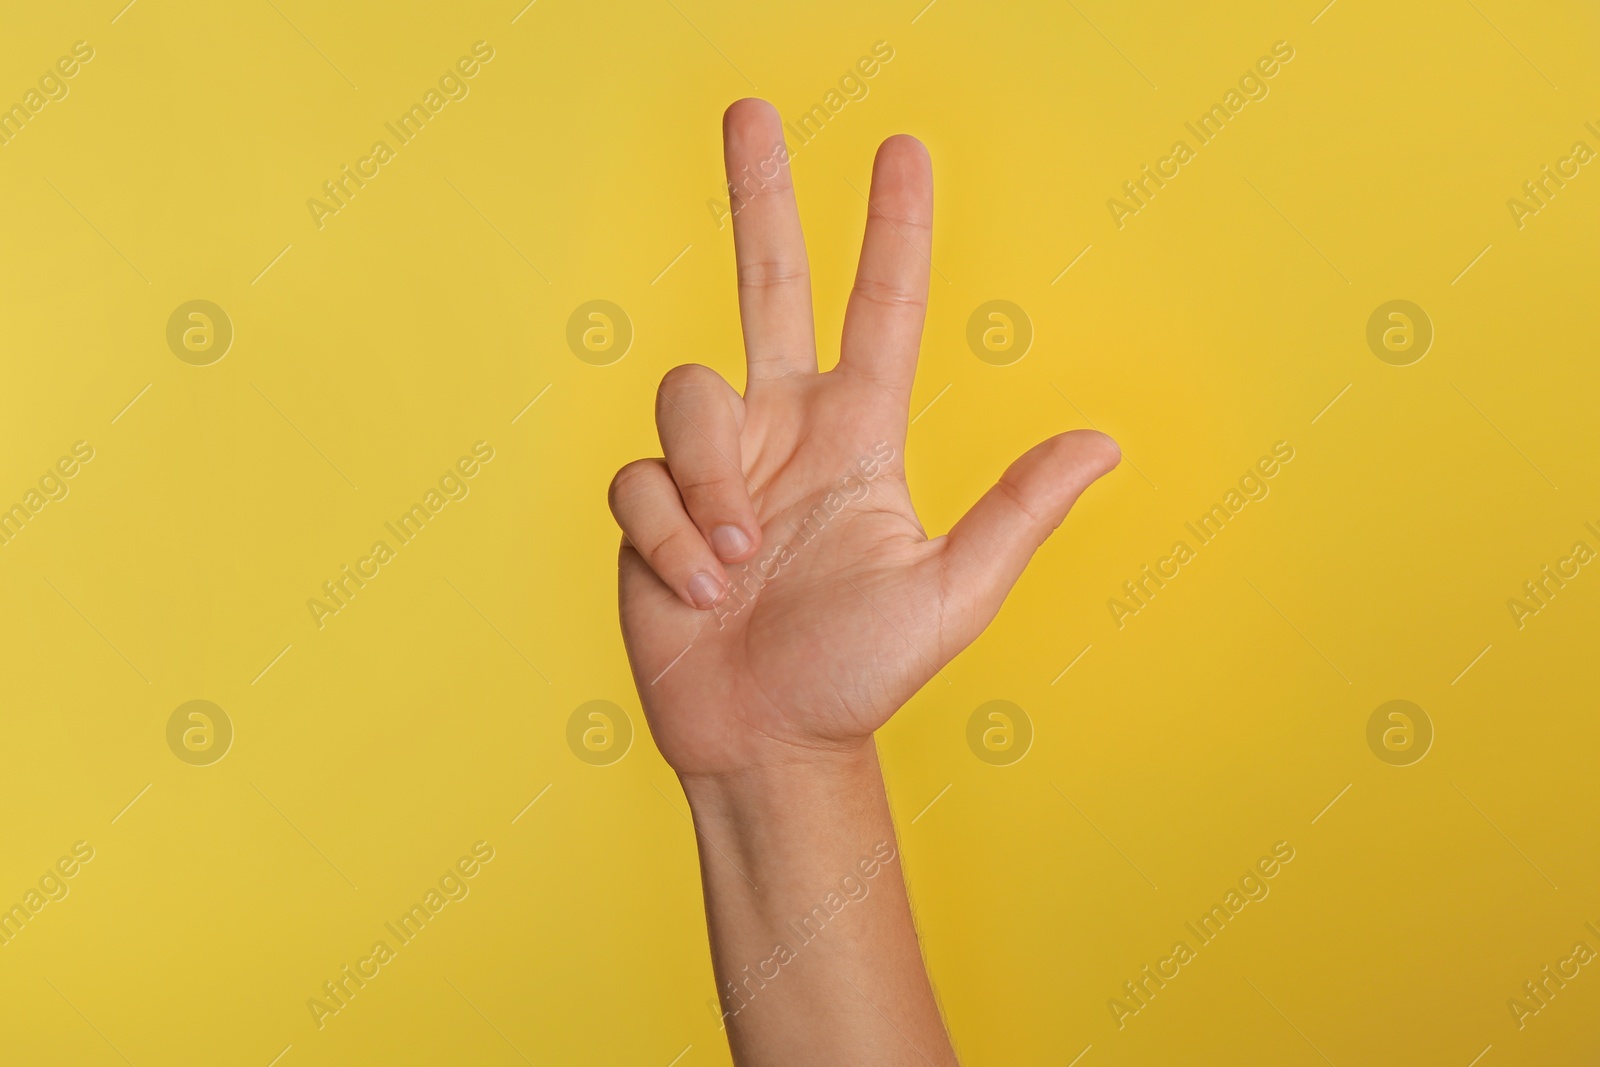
779 598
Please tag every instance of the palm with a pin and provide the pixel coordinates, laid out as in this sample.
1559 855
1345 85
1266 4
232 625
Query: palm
842 608
799 649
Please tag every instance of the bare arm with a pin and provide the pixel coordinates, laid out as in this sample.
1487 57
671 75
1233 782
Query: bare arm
811 935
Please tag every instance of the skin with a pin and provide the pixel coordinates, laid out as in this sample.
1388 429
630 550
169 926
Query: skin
764 700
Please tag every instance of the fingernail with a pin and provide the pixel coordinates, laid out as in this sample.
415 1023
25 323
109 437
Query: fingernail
704 590
730 542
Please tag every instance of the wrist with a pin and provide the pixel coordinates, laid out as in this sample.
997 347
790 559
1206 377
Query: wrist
804 780
769 833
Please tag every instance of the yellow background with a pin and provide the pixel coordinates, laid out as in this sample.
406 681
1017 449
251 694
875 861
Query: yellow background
426 715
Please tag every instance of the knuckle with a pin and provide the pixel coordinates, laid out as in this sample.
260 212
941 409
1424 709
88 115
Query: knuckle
755 186
695 396
629 481
902 219
770 273
686 376
889 294
685 384
710 490
1020 501
670 548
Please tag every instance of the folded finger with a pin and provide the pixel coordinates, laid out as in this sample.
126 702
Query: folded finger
698 416
647 506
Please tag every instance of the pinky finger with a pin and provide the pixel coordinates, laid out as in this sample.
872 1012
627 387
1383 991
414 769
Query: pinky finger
648 507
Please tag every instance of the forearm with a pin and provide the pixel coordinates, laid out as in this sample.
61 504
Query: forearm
812 938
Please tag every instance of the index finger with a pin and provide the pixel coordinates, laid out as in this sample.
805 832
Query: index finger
774 276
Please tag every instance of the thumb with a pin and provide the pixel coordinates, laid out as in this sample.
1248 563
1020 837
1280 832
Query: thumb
988 549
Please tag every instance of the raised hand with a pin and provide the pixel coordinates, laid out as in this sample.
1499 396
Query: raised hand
780 600
779 597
